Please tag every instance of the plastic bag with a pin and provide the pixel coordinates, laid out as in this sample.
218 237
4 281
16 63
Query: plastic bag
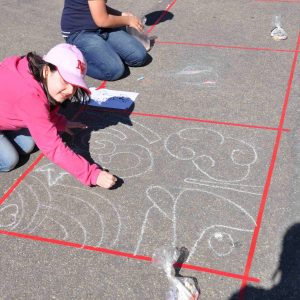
278 33
181 288
142 37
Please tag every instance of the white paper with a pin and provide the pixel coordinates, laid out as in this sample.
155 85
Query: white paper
111 99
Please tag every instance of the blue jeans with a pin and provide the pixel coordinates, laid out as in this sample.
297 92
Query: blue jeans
106 51
13 144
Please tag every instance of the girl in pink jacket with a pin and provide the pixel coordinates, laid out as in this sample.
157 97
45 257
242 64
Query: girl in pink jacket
31 91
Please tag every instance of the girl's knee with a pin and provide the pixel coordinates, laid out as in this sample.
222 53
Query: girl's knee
23 141
9 156
115 71
117 74
109 72
9 163
28 148
138 59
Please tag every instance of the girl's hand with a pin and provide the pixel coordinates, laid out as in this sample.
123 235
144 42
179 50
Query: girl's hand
71 125
106 180
136 23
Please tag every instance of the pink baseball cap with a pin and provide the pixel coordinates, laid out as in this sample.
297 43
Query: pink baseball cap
70 64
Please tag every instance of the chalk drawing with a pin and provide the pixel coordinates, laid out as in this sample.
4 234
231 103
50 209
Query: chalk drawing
202 76
126 160
218 240
110 148
148 135
192 210
28 218
44 214
124 124
8 215
60 217
199 146
172 211
106 212
62 229
241 188
52 174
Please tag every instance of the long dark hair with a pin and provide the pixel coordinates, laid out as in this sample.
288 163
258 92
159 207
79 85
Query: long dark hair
36 66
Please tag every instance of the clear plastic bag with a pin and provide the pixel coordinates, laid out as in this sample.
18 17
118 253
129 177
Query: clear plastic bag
142 37
181 288
278 33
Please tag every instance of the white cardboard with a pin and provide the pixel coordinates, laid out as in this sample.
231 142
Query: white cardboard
111 99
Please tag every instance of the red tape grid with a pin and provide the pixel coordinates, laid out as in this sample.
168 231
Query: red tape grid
21 178
181 118
243 277
223 46
289 1
120 254
207 121
102 85
269 176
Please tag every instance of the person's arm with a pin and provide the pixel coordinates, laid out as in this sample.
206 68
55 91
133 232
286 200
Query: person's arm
46 137
104 19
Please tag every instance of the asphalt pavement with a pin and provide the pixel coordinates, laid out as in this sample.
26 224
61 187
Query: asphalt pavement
207 160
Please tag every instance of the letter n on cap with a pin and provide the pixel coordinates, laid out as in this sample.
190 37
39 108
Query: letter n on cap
81 66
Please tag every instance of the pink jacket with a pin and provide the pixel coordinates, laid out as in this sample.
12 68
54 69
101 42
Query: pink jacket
23 104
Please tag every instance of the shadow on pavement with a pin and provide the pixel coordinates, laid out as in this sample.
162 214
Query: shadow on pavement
287 272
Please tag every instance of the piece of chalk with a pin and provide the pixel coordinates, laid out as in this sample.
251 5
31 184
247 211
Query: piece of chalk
141 78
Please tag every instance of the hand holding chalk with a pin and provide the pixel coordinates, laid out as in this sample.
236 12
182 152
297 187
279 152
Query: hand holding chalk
106 180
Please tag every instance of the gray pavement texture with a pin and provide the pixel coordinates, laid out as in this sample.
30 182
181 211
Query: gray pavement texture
208 162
